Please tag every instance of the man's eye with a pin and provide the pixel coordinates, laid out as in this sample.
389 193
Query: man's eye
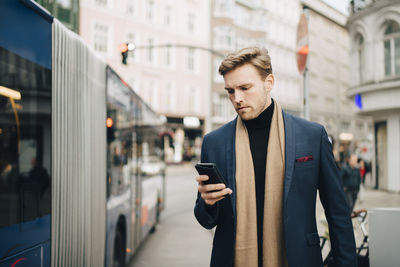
244 88
230 91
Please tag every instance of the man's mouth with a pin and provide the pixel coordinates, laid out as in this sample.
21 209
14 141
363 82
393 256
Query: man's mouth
241 108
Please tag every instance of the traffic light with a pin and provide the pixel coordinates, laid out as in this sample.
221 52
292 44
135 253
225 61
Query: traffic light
124 52
110 130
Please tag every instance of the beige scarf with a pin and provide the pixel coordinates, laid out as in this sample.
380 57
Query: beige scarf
246 253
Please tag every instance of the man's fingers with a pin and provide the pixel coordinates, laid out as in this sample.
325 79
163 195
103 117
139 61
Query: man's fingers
215 195
202 178
210 187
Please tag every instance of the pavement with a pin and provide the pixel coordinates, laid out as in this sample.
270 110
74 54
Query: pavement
180 241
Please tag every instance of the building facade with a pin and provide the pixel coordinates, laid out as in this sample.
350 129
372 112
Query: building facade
282 19
375 55
234 24
273 25
329 78
168 68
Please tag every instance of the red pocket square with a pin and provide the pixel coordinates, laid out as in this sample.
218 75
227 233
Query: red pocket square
304 159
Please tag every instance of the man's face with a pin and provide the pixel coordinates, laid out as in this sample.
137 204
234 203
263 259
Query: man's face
353 161
248 92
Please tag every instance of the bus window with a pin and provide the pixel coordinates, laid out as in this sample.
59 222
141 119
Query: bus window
119 137
152 155
25 139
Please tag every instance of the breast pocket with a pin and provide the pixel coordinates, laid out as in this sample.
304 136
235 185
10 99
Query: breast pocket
304 160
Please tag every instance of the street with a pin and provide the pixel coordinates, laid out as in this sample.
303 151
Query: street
178 240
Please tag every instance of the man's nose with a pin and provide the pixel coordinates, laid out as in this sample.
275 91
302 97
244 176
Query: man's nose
238 97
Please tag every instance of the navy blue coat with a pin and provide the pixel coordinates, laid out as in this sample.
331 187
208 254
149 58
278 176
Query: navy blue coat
302 180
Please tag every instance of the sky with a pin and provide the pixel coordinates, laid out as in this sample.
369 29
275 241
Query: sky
341 5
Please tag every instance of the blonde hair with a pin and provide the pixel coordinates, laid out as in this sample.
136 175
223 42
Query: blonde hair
258 57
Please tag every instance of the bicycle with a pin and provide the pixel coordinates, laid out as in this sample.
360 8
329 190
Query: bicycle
362 250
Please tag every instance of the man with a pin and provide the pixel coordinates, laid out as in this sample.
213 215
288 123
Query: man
273 164
351 181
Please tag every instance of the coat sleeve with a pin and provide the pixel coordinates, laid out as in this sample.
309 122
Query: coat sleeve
336 210
207 216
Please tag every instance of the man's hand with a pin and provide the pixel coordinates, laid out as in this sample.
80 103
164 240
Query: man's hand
211 193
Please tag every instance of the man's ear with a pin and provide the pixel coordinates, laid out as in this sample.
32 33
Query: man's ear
269 82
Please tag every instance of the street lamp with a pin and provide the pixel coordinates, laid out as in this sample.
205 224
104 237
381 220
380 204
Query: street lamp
125 47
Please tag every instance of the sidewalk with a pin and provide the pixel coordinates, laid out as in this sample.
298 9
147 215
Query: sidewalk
377 199
368 200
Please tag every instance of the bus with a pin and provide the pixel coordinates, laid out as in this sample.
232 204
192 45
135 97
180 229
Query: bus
82 175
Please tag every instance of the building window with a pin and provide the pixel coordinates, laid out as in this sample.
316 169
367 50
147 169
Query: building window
66 11
150 50
148 93
191 23
130 7
191 60
168 57
224 38
391 44
345 125
243 17
191 94
170 98
167 15
223 7
150 9
192 100
101 2
360 56
100 38
217 106
168 95
360 126
155 98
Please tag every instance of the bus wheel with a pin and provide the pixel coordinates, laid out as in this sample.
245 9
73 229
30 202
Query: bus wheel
119 250
158 210
154 228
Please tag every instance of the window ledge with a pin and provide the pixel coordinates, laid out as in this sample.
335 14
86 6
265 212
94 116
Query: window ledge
387 83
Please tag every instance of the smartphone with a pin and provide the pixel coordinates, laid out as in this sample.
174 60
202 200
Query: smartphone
211 170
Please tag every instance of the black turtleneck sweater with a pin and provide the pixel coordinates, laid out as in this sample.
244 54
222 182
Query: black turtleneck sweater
258 130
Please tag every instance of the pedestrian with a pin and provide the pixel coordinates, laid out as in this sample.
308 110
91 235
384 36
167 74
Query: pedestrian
363 173
363 170
273 164
351 181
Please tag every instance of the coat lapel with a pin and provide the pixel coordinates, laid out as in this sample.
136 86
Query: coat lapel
231 164
289 154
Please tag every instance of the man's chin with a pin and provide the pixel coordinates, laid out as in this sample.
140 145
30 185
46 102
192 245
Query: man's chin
245 116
